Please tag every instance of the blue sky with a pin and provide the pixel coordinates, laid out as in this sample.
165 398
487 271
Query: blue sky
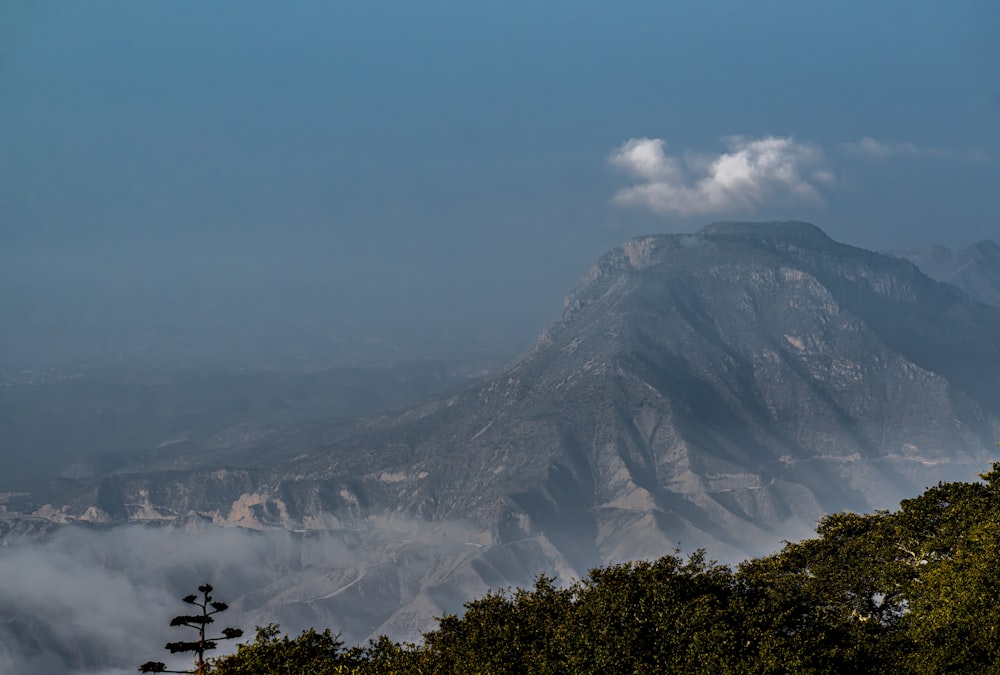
457 162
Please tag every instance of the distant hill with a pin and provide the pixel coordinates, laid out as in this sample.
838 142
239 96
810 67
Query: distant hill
975 269
721 389
85 423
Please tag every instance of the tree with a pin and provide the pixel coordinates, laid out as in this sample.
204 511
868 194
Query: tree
200 623
270 654
954 610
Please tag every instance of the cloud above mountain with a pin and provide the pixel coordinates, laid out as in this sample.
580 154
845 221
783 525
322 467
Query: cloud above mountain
750 173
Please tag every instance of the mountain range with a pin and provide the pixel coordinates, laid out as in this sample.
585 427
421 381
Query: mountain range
721 389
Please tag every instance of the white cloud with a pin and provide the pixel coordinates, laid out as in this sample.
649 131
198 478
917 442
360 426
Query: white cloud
871 148
644 158
751 173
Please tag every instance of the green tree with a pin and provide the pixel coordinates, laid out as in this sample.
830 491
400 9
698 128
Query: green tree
274 654
916 590
827 604
502 632
954 613
667 616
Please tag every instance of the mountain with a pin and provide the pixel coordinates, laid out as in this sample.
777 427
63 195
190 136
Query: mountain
975 269
721 389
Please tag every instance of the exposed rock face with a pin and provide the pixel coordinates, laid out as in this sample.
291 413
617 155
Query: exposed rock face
975 269
722 390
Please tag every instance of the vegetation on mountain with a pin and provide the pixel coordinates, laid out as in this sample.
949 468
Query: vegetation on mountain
911 591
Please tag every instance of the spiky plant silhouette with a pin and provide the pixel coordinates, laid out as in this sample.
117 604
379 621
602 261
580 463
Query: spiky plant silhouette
200 623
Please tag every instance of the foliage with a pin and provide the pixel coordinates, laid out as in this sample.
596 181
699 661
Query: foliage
955 606
311 652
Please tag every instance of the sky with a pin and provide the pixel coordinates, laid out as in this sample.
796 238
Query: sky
452 168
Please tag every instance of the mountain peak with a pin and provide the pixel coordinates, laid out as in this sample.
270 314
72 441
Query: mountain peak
987 247
795 230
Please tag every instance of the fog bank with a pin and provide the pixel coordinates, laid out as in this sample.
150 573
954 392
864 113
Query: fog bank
99 601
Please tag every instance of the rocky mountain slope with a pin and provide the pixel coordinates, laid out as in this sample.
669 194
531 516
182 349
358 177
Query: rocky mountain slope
721 389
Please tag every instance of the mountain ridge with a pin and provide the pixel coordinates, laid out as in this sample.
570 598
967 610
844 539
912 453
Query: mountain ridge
722 389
